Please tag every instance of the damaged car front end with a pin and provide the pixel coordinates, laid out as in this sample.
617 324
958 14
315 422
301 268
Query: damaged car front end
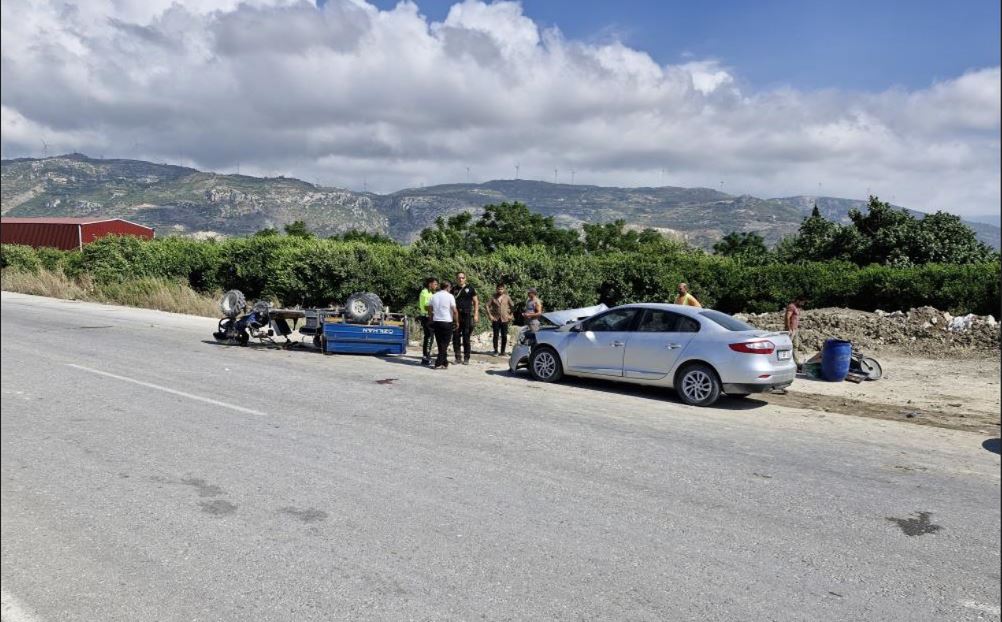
552 320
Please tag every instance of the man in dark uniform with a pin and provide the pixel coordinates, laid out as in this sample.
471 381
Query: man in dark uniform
468 306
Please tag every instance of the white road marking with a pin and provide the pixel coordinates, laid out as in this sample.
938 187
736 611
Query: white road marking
994 610
12 611
190 396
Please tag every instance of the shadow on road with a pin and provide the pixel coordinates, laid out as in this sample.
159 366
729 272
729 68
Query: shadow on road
295 345
991 445
660 394
400 360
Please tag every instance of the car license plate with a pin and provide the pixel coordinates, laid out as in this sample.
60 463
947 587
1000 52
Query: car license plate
784 355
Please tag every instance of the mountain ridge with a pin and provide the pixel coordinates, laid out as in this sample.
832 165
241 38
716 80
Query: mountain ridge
187 201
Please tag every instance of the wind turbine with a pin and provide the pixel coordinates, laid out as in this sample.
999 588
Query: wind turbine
555 171
516 170
467 174
572 177
45 148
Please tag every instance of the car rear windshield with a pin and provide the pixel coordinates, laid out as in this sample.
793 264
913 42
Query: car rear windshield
726 321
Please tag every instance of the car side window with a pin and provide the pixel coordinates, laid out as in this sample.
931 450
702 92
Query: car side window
687 325
659 321
615 320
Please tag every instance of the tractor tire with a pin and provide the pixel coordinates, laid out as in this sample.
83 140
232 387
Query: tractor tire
232 304
360 308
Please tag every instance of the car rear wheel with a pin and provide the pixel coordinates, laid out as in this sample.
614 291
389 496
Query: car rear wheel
698 385
544 365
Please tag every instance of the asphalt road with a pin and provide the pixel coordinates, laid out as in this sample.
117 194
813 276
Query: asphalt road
149 474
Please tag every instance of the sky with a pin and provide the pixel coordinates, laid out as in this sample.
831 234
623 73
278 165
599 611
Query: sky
770 98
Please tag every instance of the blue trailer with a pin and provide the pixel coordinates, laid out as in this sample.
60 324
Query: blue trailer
389 336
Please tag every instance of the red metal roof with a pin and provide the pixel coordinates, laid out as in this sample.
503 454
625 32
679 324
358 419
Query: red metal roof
45 220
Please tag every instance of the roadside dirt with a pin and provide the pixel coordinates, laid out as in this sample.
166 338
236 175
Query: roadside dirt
954 393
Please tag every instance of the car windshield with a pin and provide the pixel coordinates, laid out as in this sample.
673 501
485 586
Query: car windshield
726 321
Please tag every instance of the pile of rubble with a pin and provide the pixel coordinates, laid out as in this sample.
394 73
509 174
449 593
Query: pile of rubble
923 331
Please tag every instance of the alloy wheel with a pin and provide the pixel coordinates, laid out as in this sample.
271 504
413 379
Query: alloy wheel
697 385
544 365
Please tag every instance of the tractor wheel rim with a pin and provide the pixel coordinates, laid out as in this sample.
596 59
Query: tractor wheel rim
697 386
358 307
544 365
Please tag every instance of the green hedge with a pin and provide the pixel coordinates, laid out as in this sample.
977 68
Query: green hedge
319 272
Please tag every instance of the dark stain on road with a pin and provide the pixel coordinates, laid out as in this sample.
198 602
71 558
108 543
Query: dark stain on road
92 327
916 526
762 475
307 515
217 507
387 381
204 489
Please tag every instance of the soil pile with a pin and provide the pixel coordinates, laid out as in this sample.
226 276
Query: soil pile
923 331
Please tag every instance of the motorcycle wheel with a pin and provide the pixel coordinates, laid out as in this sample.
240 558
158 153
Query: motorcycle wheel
225 330
870 367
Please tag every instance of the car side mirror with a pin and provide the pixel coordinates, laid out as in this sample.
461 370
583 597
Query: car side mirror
576 328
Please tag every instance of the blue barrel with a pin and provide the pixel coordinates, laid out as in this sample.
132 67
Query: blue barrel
835 358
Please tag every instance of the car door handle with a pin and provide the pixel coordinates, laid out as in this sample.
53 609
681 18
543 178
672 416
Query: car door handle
618 344
673 346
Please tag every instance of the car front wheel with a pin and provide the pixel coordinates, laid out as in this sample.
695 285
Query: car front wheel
698 385
544 364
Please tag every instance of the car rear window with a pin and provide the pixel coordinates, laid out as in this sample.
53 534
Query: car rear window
726 321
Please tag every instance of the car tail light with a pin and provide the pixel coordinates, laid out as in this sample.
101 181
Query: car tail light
754 347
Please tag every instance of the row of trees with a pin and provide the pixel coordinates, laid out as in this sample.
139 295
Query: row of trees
881 235
311 272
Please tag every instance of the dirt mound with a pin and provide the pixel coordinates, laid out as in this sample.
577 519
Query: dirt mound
923 332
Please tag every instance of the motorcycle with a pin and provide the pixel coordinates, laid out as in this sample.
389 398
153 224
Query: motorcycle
866 365
239 324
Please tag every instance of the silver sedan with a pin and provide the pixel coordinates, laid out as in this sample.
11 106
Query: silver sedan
701 353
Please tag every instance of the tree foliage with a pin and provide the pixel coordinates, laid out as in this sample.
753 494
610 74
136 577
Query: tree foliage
298 229
886 236
614 236
315 271
747 246
507 224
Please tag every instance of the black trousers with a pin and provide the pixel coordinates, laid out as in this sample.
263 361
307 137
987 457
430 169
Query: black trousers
463 334
427 337
500 329
443 333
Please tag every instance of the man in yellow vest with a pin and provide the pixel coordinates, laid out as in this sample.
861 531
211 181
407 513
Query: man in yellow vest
685 298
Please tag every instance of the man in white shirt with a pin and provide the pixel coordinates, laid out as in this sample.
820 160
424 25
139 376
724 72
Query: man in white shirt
444 319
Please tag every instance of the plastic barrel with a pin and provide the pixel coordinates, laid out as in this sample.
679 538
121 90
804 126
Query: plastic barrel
835 358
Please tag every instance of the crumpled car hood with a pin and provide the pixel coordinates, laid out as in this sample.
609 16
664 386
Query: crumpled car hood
569 316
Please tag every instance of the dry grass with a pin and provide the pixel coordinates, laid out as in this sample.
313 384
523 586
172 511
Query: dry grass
145 293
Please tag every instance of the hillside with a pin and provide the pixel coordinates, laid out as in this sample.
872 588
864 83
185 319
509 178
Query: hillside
176 199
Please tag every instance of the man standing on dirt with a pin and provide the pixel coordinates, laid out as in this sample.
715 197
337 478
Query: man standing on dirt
468 306
685 298
791 323
499 311
427 330
444 317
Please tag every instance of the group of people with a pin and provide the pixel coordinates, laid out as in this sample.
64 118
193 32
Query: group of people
451 311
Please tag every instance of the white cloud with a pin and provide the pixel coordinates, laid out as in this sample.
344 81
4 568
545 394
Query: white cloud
348 92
